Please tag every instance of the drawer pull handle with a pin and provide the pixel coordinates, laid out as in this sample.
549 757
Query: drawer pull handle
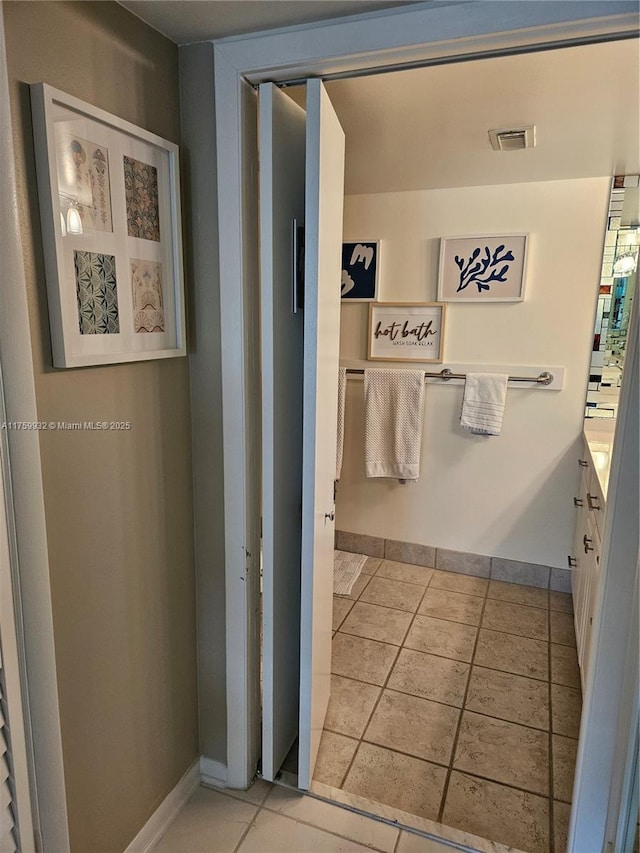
578 502
583 463
588 544
593 501
572 562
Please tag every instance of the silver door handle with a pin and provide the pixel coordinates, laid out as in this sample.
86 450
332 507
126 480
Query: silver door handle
330 515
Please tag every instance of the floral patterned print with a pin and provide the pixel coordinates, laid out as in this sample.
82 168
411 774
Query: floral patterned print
97 294
141 188
146 283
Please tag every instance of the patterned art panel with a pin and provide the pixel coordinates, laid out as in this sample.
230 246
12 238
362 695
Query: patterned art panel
141 188
83 178
146 284
97 293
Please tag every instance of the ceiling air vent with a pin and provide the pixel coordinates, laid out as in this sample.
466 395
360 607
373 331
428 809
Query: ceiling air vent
513 139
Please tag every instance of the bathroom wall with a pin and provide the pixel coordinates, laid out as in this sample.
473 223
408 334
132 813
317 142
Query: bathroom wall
118 504
508 496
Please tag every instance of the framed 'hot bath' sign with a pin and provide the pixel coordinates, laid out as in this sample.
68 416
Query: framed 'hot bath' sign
110 213
487 268
406 331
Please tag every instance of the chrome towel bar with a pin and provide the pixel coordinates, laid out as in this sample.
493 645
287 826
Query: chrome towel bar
545 378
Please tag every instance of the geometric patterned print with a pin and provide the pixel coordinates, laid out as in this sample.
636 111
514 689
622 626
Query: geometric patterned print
97 294
141 189
146 284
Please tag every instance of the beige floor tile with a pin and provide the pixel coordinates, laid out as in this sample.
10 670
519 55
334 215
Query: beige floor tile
350 706
564 765
561 818
409 784
516 619
371 565
455 606
562 628
566 708
410 843
391 593
362 659
561 601
404 572
502 814
504 752
509 697
564 665
519 655
377 623
429 676
459 583
274 833
341 606
209 823
517 593
334 757
439 637
413 725
340 821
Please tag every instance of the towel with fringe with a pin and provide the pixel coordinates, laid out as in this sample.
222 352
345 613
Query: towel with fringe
342 387
483 403
394 412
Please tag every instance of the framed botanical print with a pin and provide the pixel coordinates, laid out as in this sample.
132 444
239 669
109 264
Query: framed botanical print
111 227
486 268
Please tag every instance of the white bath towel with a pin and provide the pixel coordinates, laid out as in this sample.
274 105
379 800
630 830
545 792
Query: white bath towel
483 403
342 387
394 411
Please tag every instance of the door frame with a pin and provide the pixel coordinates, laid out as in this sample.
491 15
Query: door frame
424 33
25 515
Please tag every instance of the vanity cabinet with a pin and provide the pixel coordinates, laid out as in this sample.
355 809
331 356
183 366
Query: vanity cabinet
585 561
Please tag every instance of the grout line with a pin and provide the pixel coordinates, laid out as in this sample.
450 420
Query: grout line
552 841
306 822
250 825
445 789
377 702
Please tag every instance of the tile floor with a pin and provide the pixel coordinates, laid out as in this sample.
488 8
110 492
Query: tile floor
272 819
456 699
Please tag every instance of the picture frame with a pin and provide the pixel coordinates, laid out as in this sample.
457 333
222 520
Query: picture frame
360 270
483 268
109 196
406 331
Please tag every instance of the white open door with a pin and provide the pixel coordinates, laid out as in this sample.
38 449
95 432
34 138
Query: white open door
282 135
301 178
323 243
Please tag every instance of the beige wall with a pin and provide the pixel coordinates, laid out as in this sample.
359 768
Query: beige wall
508 496
118 505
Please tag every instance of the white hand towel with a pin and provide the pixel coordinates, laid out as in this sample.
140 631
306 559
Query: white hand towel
394 411
483 403
342 387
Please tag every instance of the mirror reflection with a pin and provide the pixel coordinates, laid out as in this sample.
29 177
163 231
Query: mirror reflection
617 287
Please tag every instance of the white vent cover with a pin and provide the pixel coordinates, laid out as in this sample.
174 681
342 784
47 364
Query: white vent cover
513 138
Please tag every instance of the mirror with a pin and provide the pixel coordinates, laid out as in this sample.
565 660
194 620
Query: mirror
617 287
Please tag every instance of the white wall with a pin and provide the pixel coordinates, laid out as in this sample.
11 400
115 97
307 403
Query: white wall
508 496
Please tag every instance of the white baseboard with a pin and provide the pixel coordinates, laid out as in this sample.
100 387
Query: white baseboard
157 824
213 772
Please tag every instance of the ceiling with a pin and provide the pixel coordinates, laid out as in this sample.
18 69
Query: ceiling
428 128
186 21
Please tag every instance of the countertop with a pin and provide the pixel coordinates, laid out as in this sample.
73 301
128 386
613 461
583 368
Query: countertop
598 435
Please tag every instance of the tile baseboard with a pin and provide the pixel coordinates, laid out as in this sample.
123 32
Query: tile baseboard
460 562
